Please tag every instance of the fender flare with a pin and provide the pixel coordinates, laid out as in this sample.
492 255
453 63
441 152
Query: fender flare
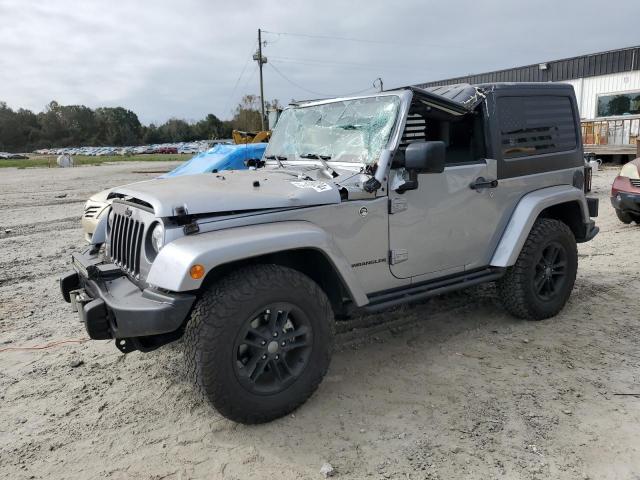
170 269
525 214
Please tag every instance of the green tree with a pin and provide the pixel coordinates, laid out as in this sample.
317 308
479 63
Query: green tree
176 130
151 135
117 126
51 124
19 131
247 114
77 125
211 127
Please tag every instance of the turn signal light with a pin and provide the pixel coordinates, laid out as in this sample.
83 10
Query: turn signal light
197 272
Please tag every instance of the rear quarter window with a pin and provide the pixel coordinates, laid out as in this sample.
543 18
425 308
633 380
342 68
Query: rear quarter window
535 125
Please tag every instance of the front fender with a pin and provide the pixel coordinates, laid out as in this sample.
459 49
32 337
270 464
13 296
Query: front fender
526 213
170 269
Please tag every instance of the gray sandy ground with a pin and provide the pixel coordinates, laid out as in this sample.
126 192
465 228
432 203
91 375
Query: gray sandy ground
451 388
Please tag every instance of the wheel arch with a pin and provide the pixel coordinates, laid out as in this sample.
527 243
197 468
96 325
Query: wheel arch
563 202
569 213
310 261
296 244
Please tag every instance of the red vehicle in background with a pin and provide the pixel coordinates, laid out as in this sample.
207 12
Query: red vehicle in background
166 150
625 192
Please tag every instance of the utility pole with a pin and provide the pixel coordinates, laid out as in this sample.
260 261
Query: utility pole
261 60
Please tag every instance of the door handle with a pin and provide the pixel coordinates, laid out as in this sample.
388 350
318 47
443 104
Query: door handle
481 182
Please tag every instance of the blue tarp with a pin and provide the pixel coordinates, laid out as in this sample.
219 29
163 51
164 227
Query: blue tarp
220 157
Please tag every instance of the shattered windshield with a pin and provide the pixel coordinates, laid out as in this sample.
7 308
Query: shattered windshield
345 131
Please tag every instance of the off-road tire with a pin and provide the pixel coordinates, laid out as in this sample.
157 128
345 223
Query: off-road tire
627 218
517 288
624 217
219 316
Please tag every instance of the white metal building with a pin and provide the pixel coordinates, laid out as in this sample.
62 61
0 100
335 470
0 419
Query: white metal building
591 89
607 86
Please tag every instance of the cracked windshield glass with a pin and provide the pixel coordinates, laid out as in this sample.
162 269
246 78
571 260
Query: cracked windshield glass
346 131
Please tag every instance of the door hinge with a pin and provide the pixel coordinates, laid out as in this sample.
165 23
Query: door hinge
398 256
397 204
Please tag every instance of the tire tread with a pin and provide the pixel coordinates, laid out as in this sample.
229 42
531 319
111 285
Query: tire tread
216 310
512 288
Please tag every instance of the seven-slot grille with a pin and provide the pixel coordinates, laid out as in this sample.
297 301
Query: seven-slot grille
635 182
126 243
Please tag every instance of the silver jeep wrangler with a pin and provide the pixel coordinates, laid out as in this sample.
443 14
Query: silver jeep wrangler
359 204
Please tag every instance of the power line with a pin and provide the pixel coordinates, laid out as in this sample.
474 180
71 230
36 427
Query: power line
312 91
250 78
352 39
235 87
303 61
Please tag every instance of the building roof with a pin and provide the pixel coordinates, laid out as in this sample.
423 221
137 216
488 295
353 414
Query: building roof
591 65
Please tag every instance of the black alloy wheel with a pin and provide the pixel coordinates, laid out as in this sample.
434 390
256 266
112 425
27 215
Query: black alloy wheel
259 342
551 271
540 283
273 348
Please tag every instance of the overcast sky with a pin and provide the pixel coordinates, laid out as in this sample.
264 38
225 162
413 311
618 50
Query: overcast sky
188 58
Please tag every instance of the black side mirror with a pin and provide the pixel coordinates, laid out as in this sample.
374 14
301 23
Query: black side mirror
425 157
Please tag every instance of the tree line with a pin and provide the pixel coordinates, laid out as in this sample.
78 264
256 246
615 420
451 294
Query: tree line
77 125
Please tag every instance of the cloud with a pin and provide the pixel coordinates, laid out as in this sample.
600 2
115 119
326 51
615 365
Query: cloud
167 59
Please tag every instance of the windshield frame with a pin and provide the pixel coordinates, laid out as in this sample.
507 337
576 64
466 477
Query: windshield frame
394 136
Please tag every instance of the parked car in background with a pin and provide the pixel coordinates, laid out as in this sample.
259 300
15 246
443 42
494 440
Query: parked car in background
220 157
166 150
625 192
12 156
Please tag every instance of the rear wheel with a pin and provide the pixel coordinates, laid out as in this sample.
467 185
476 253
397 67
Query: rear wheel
541 281
259 342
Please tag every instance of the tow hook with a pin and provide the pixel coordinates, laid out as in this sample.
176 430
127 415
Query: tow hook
78 298
125 345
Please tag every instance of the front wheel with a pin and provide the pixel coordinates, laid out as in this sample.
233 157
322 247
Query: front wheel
259 342
541 281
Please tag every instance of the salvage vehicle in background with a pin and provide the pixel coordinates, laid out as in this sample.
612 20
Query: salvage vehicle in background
364 203
625 192
220 157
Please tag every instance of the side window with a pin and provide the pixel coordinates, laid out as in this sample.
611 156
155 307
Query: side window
465 140
463 137
535 125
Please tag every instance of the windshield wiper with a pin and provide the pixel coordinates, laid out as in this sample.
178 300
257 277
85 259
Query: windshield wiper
277 158
323 159
315 156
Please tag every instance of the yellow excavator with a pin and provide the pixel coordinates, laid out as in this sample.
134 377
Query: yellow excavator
240 137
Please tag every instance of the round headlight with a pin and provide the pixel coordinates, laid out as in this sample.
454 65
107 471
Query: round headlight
157 237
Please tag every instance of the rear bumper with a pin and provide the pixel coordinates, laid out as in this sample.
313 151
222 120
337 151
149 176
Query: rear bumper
626 202
590 228
111 306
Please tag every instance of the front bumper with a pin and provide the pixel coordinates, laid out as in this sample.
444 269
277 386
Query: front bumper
626 202
111 306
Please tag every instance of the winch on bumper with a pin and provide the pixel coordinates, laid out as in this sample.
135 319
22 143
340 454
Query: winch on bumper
111 306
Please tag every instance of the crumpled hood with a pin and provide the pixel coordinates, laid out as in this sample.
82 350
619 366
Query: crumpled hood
231 191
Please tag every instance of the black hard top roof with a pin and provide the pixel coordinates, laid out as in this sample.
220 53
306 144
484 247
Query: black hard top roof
463 98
